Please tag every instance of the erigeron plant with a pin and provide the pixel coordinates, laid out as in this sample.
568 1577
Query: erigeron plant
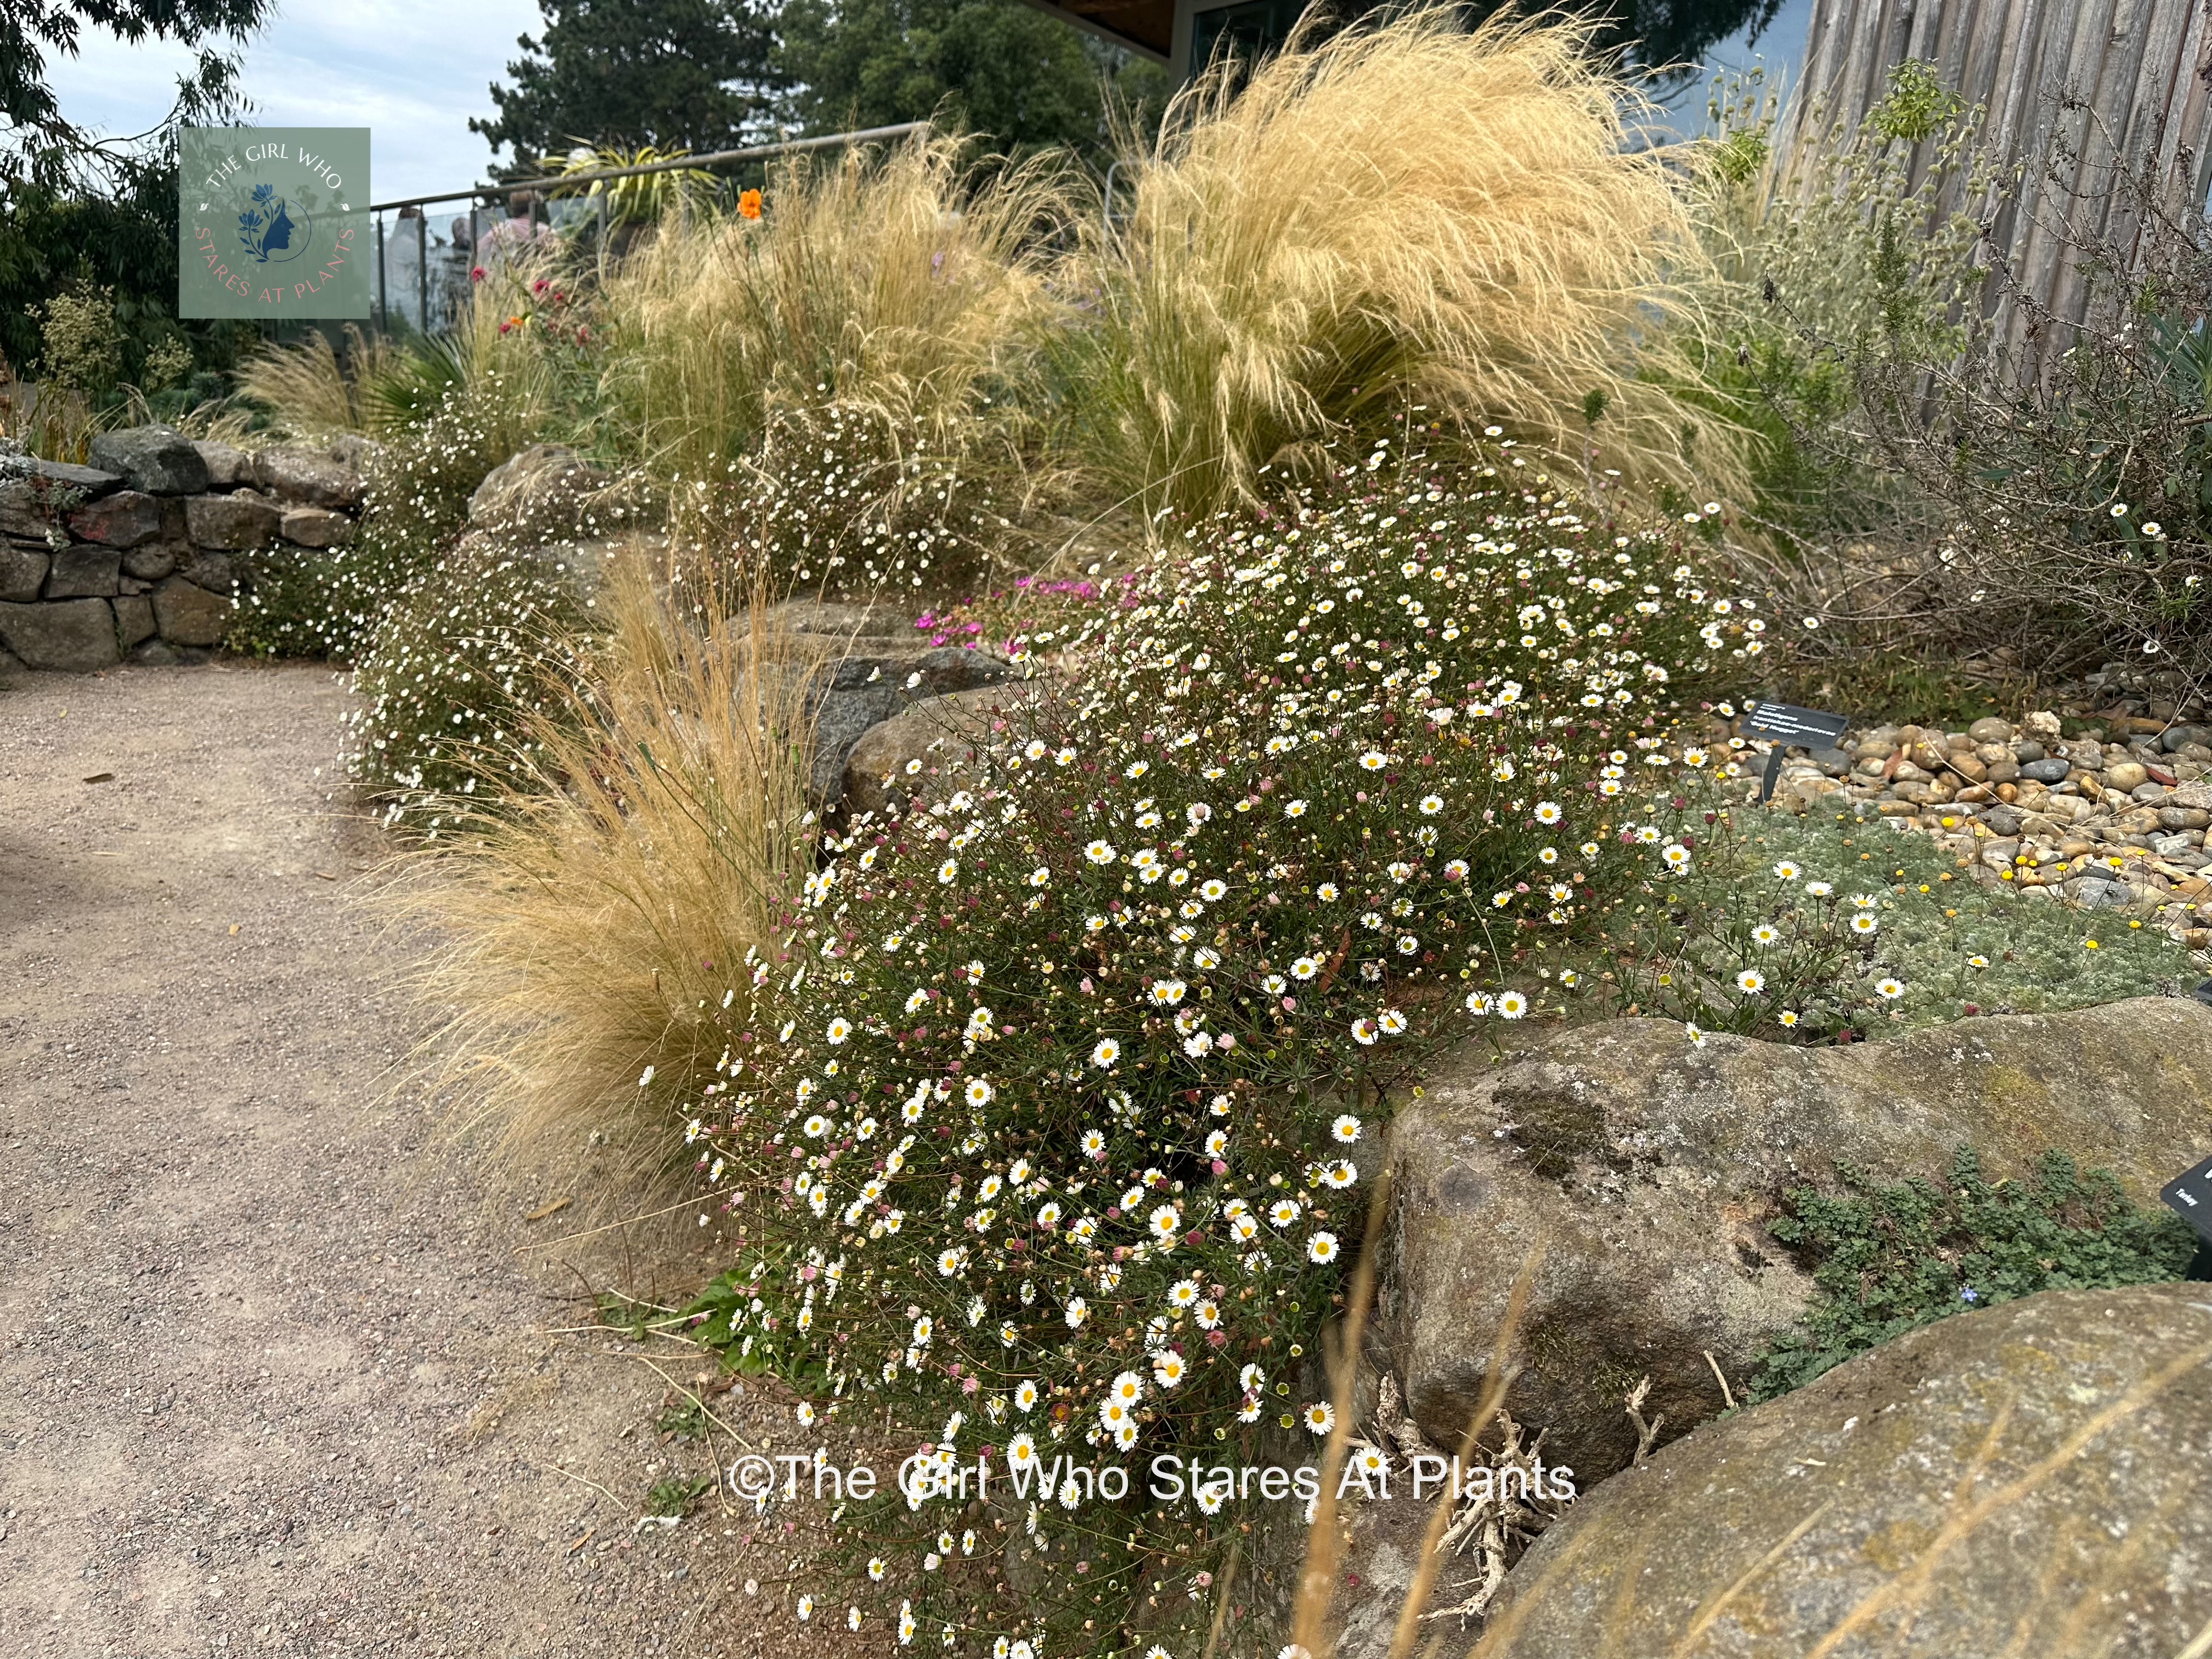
466 659
1053 1120
852 500
1806 929
332 603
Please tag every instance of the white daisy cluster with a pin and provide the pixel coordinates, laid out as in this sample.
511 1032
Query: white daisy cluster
1762 947
1043 1079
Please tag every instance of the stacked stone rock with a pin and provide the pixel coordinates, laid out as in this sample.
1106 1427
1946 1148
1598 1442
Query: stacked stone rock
140 555
2034 810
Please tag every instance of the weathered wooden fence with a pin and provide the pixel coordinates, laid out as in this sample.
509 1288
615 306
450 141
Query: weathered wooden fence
2103 86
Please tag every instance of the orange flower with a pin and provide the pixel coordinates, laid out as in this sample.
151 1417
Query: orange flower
749 205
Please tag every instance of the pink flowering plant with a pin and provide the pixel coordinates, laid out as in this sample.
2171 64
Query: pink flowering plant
1051 1130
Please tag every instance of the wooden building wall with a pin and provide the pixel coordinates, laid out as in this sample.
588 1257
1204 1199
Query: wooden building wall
2112 81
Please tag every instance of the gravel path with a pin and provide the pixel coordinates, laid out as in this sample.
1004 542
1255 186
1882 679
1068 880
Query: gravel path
274 1377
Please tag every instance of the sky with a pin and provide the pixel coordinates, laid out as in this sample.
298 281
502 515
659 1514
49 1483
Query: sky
1780 47
412 71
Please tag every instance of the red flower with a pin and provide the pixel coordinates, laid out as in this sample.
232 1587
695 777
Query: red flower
540 286
477 273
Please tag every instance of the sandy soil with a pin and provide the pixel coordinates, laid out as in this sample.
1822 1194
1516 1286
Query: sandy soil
275 1375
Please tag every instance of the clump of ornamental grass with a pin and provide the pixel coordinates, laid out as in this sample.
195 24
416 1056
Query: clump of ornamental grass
507 357
903 281
1051 1127
1415 213
601 900
309 387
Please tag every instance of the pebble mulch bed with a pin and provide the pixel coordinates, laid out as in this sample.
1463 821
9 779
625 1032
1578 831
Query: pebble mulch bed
2114 816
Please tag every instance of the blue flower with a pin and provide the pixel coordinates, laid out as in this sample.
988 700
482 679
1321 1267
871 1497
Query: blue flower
1968 1295
263 192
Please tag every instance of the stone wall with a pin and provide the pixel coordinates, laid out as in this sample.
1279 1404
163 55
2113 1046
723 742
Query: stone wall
139 555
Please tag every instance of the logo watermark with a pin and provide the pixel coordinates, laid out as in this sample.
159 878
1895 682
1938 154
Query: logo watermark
939 1474
273 223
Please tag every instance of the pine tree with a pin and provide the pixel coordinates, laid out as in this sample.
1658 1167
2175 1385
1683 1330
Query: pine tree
677 74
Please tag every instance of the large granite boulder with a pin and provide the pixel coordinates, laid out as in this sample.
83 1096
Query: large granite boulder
859 691
862 666
545 491
157 460
2035 1479
828 617
898 763
1650 1167
75 636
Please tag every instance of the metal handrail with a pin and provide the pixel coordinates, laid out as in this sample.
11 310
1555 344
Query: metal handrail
756 153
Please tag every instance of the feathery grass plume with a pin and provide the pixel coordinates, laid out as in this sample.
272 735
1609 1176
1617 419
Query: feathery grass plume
902 280
1410 213
380 385
309 387
607 896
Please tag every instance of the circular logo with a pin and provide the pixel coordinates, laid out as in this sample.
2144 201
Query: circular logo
272 229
